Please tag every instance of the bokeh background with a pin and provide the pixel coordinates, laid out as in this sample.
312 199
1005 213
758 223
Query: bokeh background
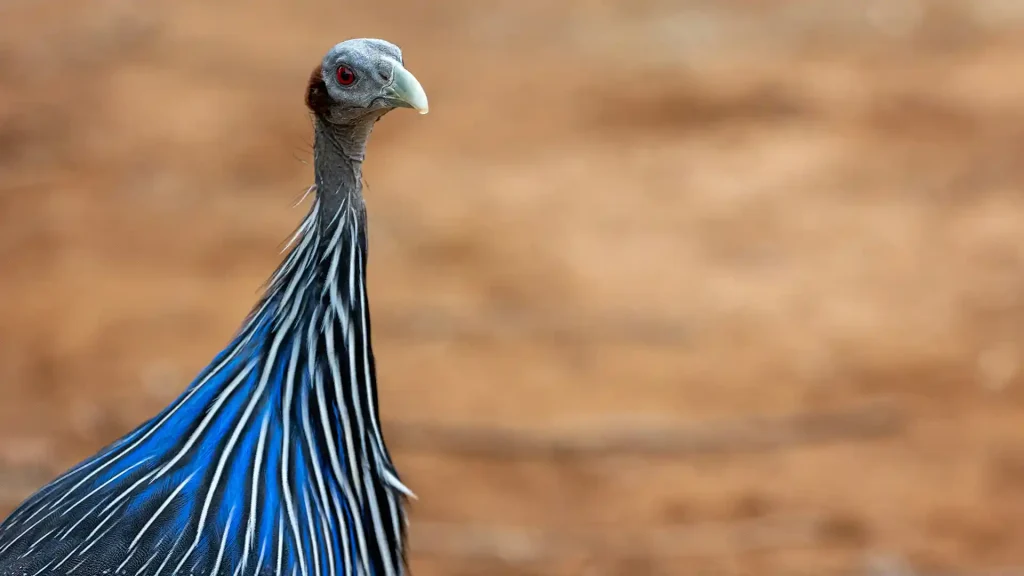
659 287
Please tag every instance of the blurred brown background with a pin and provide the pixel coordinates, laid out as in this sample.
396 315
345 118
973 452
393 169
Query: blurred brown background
694 287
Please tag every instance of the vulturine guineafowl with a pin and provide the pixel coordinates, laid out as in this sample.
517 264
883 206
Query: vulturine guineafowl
272 462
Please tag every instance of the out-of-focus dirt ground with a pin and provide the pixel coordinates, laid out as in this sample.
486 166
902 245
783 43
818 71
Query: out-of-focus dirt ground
677 215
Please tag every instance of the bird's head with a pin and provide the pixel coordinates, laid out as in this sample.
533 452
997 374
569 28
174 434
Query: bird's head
362 79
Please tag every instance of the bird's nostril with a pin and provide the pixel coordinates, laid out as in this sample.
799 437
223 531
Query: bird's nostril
384 75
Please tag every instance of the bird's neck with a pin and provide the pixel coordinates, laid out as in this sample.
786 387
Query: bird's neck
273 461
338 153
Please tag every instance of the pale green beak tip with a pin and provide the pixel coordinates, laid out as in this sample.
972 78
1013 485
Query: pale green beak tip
406 88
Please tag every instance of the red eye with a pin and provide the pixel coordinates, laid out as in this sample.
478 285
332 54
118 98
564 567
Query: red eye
345 75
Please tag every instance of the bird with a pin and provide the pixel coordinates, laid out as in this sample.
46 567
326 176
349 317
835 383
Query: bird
272 461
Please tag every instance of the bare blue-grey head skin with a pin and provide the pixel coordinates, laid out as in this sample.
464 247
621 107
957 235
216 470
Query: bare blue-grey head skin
273 461
381 83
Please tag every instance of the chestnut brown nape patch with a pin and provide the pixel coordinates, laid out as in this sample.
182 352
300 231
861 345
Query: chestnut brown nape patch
317 99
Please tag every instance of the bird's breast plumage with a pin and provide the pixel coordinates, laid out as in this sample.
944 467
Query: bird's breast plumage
271 462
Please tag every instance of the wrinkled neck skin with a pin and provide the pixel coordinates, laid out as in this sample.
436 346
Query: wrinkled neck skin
338 153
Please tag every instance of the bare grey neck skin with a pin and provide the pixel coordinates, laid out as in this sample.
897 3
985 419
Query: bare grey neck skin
338 154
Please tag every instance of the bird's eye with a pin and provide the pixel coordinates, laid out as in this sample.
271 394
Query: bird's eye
345 75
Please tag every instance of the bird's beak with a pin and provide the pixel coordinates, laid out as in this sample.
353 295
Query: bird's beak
405 90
